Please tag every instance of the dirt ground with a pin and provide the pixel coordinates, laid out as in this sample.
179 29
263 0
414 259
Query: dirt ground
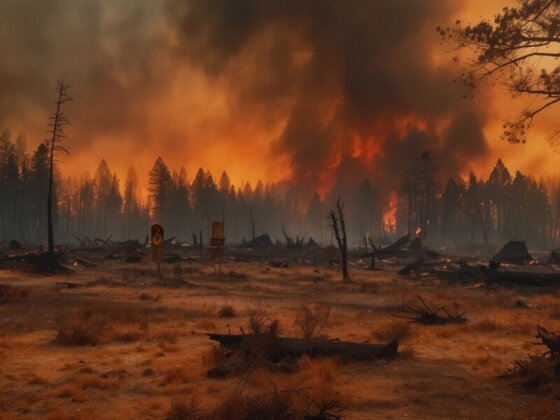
151 345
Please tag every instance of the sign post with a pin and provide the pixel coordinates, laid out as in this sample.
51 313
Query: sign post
157 245
217 242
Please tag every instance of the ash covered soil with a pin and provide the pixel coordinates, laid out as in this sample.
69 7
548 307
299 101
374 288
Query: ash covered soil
112 340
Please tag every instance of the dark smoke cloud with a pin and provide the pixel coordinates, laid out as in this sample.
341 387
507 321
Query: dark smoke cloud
329 69
364 64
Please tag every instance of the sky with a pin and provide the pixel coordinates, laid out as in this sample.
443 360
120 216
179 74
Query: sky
304 91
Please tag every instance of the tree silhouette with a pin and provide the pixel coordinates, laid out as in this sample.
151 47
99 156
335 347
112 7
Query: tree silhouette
519 41
56 123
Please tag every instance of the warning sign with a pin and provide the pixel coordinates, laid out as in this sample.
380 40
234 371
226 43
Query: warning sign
157 243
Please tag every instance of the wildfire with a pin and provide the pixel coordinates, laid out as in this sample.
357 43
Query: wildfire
390 215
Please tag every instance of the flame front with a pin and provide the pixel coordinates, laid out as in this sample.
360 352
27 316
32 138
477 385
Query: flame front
390 214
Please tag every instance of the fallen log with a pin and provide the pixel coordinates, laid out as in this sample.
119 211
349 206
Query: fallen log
293 348
523 278
418 266
84 262
396 246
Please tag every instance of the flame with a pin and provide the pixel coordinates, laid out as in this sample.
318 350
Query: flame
418 231
390 214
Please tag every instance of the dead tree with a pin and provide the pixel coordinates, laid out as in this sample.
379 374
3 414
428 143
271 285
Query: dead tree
56 124
339 229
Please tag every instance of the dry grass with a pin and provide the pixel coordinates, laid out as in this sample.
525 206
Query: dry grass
39 380
489 324
184 408
537 373
180 374
214 356
84 328
226 311
72 390
312 320
396 330
149 297
9 291
87 381
320 371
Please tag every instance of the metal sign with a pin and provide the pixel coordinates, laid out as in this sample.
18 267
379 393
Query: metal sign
157 243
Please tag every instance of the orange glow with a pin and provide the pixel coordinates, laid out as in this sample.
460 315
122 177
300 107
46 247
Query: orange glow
404 123
390 214
418 231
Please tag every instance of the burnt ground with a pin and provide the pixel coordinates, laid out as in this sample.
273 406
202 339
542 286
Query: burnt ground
150 344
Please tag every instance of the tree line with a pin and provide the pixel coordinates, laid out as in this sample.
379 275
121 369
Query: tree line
461 212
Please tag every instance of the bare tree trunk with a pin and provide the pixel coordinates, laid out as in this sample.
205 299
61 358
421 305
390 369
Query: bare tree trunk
57 123
338 227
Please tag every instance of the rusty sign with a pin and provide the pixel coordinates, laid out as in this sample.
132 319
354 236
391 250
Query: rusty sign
157 243
217 238
217 241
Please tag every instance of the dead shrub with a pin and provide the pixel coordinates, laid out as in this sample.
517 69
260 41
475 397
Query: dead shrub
226 311
84 328
259 320
396 330
536 373
312 320
89 325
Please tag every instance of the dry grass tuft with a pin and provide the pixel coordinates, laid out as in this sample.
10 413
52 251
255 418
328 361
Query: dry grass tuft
488 324
214 356
73 391
90 325
312 320
320 371
184 408
84 328
396 330
226 311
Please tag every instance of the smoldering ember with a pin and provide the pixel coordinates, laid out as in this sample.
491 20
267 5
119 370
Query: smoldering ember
271 209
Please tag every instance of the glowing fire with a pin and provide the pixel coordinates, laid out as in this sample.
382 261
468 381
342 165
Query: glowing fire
390 215
418 231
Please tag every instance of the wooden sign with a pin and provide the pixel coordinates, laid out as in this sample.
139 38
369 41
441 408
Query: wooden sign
157 243
218 238
217 241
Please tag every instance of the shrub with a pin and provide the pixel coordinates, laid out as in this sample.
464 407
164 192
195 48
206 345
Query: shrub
312 320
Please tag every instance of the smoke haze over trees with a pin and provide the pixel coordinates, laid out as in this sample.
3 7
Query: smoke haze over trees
458 211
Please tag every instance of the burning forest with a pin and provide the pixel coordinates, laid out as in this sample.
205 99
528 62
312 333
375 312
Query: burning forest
272 209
